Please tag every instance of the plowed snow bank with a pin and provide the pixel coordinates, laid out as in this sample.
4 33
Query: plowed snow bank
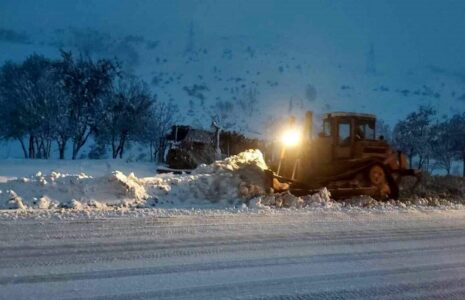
225 183
235 182
70 191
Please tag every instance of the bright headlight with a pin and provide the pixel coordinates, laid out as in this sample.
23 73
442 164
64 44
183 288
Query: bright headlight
291 137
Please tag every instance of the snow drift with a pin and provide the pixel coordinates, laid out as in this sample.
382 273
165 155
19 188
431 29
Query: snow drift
234 182
229 182
57 190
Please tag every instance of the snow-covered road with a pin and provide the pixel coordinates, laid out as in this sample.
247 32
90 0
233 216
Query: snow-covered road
277 255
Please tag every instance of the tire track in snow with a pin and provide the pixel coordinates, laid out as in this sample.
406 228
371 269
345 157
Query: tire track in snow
17 257
237 236
317 258
276 286
241 264
149 253
448 289
50 231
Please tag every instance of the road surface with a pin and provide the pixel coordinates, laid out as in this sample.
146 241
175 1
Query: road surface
288 255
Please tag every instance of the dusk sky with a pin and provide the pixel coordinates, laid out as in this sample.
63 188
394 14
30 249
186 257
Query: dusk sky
422 32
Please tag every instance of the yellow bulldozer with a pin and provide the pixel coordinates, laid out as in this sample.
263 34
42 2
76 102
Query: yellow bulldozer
346 157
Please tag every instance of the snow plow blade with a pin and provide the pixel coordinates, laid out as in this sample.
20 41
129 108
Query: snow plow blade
281 184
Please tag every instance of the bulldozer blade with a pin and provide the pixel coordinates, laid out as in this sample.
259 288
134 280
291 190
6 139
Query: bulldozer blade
281 184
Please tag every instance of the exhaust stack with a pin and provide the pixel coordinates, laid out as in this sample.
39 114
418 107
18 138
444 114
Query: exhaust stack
308 126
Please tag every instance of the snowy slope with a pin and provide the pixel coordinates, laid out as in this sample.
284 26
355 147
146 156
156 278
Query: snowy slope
250 82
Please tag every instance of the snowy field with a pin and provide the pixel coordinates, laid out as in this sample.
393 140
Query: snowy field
285 254
94 230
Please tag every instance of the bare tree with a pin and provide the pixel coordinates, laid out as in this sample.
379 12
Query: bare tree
86 82
412 136
126 109
27 93
442 145
457 132
162 117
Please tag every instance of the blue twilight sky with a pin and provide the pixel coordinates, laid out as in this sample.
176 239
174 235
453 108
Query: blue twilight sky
414 31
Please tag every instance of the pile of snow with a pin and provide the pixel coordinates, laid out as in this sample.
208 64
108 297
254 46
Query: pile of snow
323 199
226 183
234 183
287 200
57 190
249 158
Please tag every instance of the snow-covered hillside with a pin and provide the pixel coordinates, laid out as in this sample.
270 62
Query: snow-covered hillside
250 84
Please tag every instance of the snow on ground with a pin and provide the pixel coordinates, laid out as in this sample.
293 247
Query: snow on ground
216 234
236 183
226 183
267 254
14 168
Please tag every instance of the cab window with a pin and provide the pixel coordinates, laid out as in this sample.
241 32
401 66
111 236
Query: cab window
365 130
344 132
326 128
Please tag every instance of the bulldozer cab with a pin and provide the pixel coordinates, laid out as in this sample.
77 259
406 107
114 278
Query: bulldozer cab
348 135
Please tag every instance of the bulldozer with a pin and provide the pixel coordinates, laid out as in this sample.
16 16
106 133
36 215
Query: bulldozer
346 157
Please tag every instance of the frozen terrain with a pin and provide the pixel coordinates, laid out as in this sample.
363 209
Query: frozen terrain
238 182
242 255
228 183
116 230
